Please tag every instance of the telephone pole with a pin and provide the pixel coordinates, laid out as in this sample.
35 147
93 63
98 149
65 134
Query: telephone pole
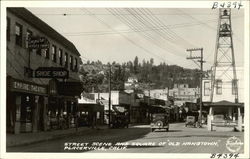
200 59
109 115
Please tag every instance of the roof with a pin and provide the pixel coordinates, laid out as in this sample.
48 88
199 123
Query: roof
225 103
33 20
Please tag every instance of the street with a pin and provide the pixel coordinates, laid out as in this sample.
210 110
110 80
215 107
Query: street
140 139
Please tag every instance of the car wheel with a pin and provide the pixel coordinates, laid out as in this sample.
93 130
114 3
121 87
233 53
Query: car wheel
167 129
152 130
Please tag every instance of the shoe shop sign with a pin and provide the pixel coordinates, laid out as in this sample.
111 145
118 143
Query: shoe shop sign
51 72
38 43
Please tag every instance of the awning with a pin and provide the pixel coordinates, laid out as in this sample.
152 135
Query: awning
225 103
91 107
162 106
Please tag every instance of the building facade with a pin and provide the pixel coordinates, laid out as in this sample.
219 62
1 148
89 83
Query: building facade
33 103
224 97
182 93
157 93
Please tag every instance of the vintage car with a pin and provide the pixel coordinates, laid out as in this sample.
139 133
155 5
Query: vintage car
119 120
190 121
160 121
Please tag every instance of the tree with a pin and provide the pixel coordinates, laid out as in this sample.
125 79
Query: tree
136 65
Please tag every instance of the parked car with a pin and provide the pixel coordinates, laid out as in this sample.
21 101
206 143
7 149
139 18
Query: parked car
160 121
119 121
190 120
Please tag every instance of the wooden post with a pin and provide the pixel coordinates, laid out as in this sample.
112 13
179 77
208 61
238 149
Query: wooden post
239 120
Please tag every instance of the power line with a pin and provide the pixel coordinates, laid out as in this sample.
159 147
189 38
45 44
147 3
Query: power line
174 26
132 24
167 31
131 41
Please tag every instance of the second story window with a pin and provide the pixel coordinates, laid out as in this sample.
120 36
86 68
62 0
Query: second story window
71 62
206 89
45 52
54 53
60 56
8 29
75 67
19 34
28 36
66 60
219 87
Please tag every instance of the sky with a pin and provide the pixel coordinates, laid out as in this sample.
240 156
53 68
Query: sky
164 34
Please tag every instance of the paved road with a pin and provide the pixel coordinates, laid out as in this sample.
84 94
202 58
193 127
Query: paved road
139 139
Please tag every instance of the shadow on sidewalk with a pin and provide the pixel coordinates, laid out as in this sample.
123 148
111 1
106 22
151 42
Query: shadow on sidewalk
92 136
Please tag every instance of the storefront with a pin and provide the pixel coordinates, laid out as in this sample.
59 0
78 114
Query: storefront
62 104
231 113
90 114
26 106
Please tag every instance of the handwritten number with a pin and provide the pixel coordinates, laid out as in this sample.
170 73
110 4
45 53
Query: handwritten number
225 155
236 155
219 155
213 155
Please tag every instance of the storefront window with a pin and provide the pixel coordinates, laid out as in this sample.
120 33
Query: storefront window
26 111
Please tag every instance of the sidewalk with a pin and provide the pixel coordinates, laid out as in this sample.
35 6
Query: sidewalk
29 138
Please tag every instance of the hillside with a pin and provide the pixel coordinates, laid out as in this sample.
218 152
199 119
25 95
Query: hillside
95 75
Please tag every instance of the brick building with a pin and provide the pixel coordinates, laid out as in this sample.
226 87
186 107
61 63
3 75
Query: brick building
34 104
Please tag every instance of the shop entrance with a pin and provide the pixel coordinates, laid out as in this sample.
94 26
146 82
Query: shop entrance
26 111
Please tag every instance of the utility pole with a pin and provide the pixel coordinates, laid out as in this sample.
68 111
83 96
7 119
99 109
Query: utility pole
200 59
109 96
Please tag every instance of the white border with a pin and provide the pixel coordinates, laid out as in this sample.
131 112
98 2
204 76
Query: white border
103 4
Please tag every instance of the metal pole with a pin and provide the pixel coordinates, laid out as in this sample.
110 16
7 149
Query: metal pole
109 96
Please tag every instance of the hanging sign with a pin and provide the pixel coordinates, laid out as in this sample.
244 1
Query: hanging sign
52 72
38 43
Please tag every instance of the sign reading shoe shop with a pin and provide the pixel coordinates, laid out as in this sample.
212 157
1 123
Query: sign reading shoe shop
52 72
27 87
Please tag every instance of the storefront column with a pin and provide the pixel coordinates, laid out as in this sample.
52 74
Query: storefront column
17 126
45 116
209 119
230 112
35 114
239 120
